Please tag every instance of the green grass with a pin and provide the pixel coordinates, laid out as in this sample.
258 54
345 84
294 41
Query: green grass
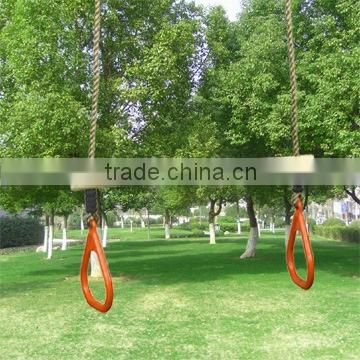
183 299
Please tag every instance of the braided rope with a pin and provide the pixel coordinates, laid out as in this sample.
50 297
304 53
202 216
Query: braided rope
96 78
95 96
293 83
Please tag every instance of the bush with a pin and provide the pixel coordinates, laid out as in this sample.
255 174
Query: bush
334 222
74 222
342 233
191 234
355 224
233 228
15 231
111 218
279 222
312 224
226 219
230 227
195 225
156 221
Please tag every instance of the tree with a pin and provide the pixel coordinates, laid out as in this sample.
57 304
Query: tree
65 204
171 201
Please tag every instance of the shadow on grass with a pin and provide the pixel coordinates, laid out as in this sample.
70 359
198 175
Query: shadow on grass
191 261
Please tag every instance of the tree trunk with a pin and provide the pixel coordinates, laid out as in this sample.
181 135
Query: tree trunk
212 216
82 227
64 237
122 222
104 232
238 217
167 224
143 226
239 227
306 200
46 234
212 233
258 223
352 193
272 225
254 230
131 226
259 228
51 236
251 244
148 223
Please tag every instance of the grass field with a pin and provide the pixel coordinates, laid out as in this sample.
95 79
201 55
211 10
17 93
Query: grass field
183 299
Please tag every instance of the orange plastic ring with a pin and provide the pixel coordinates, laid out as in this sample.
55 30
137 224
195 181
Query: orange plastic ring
298 224
93 244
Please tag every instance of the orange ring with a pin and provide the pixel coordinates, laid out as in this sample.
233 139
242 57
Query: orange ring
93 244
298 223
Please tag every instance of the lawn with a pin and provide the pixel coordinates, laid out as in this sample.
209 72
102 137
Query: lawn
183 299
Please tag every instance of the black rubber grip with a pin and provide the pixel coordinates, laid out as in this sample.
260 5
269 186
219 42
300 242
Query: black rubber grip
91 201
297 189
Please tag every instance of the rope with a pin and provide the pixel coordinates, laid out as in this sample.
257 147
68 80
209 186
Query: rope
96 78
293 83
91 194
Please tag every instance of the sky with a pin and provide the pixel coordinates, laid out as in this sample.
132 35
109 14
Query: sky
232 7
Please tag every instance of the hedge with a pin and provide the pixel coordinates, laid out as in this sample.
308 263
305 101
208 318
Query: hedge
342 233
355 224
233 228
15 232
224 227
334 222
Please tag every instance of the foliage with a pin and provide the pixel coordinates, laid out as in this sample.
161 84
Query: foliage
74 221
334 222
176 200
311 223
176 81
17 231
355 224
231 212
111 218
342 233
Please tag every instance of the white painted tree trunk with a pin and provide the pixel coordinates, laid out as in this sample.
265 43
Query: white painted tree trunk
131 226
64 239
122 222
287 232
46 238
251 244
50 242
104 236
95 266
82 227
143 226
167 231
272 228
148 223
239 227
212 233
259 229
